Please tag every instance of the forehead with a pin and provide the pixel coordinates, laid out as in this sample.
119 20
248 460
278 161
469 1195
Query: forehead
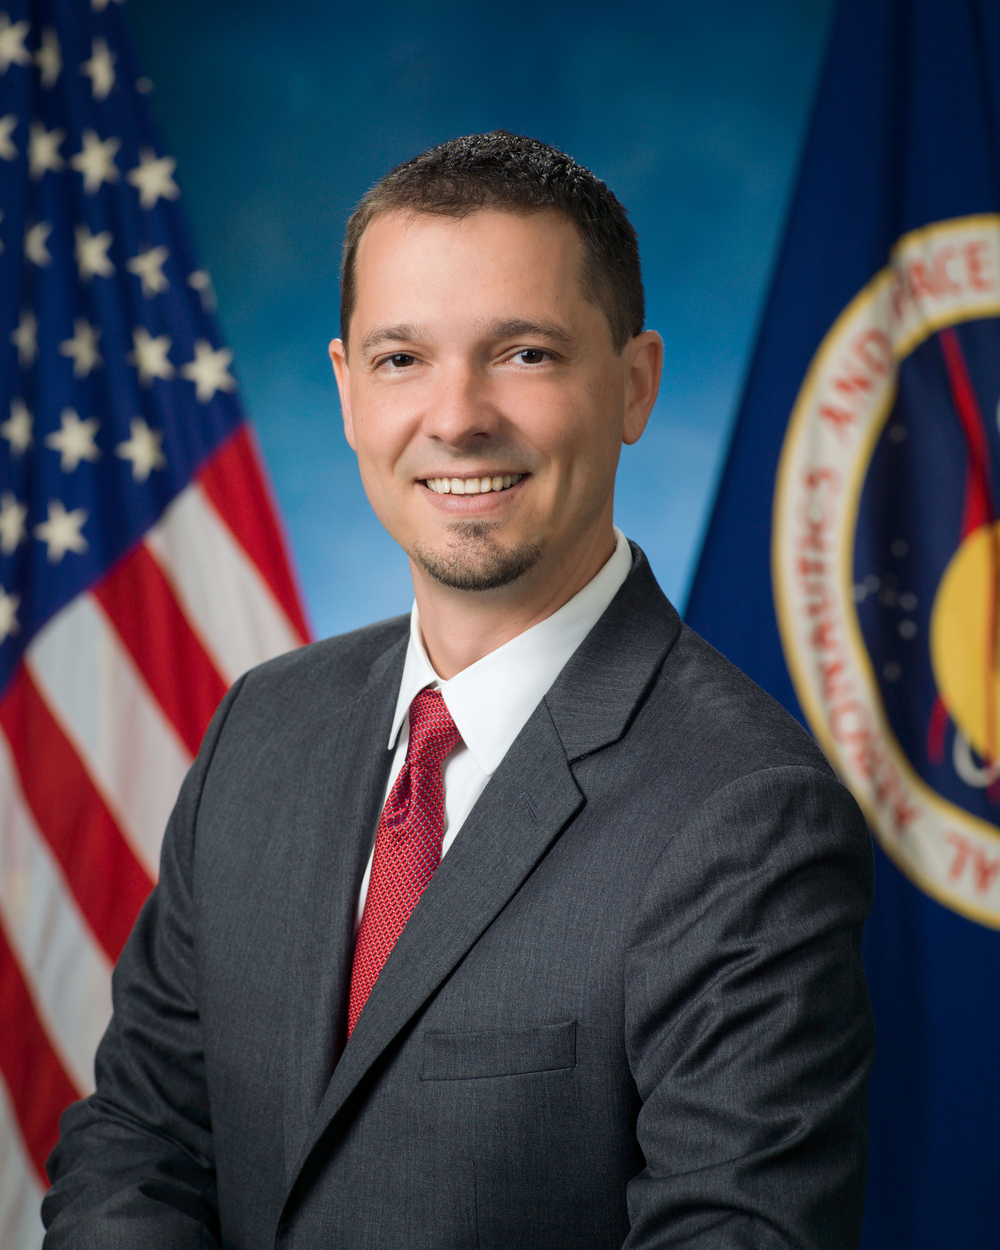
419 266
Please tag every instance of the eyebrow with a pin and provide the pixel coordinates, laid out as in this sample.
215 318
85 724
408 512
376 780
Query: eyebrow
390 334
516 328
528 329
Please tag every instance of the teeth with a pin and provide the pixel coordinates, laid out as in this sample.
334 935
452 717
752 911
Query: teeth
471 485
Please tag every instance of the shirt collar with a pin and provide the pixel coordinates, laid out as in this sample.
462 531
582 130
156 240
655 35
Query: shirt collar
491 700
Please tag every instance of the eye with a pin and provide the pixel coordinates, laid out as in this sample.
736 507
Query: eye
398 360
531 356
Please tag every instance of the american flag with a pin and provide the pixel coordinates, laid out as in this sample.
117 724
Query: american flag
141 563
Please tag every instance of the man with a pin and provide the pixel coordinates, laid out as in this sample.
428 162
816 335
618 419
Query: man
525 921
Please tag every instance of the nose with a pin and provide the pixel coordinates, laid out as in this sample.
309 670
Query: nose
459 410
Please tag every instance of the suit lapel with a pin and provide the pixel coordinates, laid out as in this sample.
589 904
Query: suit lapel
529 800
362 769
605 681
344 772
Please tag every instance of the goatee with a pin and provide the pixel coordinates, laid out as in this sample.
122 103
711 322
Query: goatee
476 561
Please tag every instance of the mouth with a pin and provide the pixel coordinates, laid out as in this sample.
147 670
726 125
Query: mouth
472 485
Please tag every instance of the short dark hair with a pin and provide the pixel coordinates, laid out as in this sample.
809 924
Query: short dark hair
513 174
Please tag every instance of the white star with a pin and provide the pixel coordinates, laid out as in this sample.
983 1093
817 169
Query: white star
12 49
100 69
43 150
62 531
96 161
48 58
8 614
82 347
25 339
200 281
75 441
92 253
153 178
149 267
12 527
7 149
209 371
143 449
35 243
150 356
17 429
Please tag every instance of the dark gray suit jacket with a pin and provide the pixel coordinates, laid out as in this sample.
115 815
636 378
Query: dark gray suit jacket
628 1009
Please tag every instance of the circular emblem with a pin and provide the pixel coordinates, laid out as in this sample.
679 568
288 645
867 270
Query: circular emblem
886 557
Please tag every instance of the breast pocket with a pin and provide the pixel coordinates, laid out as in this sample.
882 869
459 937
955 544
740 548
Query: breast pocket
499 1052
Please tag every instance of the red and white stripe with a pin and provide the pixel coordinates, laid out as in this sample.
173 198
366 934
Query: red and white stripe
97 731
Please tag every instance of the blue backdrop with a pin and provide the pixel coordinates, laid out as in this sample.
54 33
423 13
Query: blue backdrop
281 117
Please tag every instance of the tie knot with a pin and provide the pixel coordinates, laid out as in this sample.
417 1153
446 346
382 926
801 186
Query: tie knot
433 734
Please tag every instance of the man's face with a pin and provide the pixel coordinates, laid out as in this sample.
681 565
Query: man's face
482 394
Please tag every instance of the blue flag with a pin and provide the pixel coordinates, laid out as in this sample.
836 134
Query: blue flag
852 562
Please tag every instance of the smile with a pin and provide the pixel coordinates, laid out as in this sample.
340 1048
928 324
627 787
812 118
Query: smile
471 485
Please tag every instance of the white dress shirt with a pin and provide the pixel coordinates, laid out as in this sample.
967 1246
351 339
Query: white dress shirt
492 700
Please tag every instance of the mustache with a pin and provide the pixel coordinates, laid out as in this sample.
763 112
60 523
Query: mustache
501 455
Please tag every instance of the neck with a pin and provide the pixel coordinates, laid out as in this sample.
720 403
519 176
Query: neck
459 627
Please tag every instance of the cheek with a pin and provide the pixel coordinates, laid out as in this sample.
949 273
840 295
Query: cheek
581 432
553 418
380 434
377 457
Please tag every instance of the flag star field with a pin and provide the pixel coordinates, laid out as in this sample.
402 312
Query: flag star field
120 386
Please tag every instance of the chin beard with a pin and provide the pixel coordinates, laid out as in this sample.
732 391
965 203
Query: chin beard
476 561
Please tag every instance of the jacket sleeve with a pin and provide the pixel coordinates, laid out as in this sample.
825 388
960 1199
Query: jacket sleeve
750 1033
134 1165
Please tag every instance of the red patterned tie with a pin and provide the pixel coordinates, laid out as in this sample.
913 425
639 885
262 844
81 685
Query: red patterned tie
408 844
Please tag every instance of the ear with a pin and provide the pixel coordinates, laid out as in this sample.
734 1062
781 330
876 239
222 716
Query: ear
643 364
341 369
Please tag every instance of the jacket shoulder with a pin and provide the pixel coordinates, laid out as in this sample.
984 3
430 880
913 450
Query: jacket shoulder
732 725
340 666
